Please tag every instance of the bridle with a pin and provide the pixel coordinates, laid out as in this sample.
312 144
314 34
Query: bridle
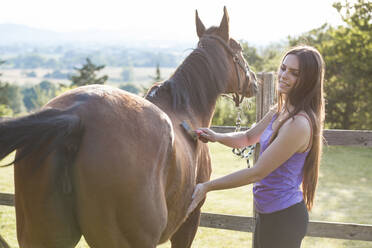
238 63
245 152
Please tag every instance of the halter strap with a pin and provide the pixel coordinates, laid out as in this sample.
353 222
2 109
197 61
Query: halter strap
237 62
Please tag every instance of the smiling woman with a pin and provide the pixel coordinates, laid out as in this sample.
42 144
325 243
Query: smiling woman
290 141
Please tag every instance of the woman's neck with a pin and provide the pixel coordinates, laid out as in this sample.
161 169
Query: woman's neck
286 108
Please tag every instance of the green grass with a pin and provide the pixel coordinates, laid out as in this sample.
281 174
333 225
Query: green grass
343 195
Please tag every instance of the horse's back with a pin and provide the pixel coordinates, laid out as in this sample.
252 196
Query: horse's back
117 123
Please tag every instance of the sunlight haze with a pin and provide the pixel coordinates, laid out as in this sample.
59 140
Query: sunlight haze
254 21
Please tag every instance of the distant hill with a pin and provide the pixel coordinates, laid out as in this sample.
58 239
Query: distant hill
15 33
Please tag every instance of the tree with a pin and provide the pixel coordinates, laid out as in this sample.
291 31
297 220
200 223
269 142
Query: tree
87 75
225 113
5 110
28 61
4 87
252 57
157 77
265 59
31 74
44 92
272 55
15 99
347 51
130 88
127 74
57 74
37 96
1 62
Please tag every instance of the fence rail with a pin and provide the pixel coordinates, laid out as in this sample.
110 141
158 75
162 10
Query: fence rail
246 224
332 137
319 229
6 199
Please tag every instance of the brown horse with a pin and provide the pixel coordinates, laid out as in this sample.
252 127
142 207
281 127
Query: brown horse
119 169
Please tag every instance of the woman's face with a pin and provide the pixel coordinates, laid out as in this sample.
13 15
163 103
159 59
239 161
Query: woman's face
288 73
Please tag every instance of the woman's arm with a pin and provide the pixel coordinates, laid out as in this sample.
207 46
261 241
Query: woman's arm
238 139
292 137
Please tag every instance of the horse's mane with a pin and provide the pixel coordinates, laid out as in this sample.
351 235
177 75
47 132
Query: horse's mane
198 81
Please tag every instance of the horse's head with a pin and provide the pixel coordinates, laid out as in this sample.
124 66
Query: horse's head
241 80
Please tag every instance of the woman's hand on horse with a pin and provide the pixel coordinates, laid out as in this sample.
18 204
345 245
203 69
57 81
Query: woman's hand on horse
206 135
199 194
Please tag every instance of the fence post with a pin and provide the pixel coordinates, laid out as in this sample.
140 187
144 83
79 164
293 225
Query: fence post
264 99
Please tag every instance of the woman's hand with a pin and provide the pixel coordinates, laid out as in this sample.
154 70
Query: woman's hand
206 135
199 194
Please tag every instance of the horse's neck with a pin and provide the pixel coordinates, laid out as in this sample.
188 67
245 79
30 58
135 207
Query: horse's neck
193 89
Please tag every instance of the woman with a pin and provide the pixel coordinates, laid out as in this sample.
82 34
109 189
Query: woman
291 145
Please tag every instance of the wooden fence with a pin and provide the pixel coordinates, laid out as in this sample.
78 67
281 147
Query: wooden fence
316 228
264 99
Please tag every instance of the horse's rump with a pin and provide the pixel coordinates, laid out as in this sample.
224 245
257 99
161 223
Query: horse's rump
111 179
120 173
47 143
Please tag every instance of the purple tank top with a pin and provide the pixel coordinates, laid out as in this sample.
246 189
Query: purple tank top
281 188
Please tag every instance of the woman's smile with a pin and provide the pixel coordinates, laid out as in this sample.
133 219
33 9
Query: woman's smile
284 84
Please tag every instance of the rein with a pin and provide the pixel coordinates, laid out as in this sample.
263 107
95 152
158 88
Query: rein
245 152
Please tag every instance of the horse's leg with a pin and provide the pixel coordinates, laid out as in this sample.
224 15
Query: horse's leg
45 215
120 198
120 215
186 233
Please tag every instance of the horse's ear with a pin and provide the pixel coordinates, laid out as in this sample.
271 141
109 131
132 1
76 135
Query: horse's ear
200 29
223 30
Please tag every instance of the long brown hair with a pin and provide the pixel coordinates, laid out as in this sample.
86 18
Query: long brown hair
307 95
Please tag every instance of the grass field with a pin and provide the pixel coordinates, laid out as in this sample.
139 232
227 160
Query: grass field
141 75
344 195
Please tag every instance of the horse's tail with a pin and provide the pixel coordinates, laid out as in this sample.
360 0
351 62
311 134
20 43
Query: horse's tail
52 129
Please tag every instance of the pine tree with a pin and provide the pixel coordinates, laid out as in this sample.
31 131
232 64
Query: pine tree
1 62
87 75
4 99
3 89
157 77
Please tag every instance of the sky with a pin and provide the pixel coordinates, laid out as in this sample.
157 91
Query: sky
258 22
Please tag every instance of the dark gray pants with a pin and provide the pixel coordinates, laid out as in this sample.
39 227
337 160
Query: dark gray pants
282 229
